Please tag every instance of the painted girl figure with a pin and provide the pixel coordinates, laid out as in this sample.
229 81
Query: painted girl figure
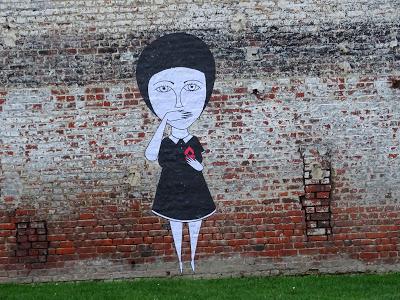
175 75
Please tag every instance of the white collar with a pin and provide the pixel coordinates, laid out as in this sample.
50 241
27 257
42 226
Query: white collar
185 139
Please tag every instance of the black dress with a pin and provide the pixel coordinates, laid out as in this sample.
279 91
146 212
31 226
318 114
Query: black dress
182 193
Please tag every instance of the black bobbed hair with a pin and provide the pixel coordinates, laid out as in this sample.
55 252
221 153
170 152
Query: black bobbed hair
171 51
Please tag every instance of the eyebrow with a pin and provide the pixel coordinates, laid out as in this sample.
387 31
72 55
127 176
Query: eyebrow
192 80
162 81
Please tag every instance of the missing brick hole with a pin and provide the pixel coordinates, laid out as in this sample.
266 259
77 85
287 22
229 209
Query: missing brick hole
395 83
316 200
255 92
32 243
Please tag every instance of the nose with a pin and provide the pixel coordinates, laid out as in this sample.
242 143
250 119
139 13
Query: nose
178 103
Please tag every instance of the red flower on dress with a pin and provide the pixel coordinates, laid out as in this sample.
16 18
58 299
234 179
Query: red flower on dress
189 153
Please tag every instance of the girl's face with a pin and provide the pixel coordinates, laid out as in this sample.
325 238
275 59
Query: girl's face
178 89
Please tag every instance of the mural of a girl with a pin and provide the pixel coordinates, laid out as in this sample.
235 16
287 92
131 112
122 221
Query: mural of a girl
176 75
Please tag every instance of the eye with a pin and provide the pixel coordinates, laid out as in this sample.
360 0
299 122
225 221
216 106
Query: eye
191 87
163 89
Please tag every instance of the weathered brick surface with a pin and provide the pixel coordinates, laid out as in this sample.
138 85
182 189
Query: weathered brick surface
291 77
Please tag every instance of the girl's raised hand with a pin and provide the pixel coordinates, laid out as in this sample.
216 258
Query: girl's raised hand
177 115
194 163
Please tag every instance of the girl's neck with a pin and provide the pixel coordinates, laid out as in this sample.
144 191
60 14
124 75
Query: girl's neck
179 133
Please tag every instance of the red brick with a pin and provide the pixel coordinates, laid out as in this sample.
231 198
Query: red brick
65 251
25 212
106 249
56 237
149 220
103 242
126 248
289 252
86 216
323 195
7 226
66 244
375 235
317 188
87 223
119 241
86 250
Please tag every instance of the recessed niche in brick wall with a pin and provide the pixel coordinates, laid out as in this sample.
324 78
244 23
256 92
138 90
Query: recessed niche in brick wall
317 199
32 244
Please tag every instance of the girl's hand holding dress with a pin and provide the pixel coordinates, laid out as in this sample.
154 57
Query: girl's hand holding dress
195 164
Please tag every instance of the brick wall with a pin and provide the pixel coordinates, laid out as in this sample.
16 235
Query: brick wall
301 136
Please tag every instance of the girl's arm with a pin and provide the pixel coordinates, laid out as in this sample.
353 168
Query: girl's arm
153 148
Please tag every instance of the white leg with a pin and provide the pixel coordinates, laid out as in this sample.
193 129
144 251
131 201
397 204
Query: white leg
176 228
194 229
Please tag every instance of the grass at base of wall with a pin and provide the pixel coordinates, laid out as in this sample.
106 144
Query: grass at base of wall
366 286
